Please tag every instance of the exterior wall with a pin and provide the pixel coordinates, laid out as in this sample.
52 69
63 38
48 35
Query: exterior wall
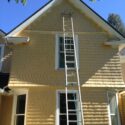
42 106
98 63
6 110
34 64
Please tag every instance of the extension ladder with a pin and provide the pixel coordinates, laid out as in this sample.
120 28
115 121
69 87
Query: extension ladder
71 70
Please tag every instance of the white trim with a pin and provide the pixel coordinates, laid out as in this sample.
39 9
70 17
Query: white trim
108 107
115 42
78 4
117 101
57 50
57 108
16 93
109 114
1 55
17 40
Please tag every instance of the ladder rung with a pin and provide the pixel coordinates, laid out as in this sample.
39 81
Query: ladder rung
70 74
71 68
69 38
72 83
67 24
74 121
70 51
72 100
69 44
69 55
72 110
70 62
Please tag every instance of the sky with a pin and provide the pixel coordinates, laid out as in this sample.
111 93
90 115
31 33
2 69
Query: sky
12 14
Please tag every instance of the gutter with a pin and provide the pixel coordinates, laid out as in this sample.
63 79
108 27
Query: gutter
115 43
16 40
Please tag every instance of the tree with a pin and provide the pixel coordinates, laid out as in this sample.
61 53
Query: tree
22 1
116 22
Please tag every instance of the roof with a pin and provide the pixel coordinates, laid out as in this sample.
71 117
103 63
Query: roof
78 4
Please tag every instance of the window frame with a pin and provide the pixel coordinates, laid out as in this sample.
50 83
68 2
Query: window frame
109 111
58 92
14 114
2 46
58 35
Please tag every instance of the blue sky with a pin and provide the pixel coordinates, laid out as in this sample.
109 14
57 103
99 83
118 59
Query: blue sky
12 14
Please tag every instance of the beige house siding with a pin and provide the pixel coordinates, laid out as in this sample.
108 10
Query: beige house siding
52 20
42 106
123 71
34 63
6 110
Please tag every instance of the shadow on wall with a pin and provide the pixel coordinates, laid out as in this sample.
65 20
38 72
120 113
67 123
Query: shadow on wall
101 65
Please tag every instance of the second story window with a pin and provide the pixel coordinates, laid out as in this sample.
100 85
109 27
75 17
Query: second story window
60 58
1 55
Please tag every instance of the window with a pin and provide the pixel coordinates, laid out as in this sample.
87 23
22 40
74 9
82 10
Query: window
20 110
1 55
60 51
113 108
73 108
19 107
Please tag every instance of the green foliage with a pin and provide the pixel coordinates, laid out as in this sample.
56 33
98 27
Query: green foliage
22 1
116 22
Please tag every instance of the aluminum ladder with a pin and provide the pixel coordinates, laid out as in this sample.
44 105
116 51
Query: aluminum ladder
71 69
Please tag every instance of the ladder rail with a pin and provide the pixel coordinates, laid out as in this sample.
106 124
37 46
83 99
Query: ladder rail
66 89
77 71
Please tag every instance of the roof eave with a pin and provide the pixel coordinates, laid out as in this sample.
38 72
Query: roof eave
32 18
96 18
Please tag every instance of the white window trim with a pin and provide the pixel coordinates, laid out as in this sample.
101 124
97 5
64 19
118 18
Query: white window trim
57 50
109 114
1 55
57 102
16 93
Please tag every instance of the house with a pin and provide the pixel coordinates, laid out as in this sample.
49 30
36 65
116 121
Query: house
37 75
